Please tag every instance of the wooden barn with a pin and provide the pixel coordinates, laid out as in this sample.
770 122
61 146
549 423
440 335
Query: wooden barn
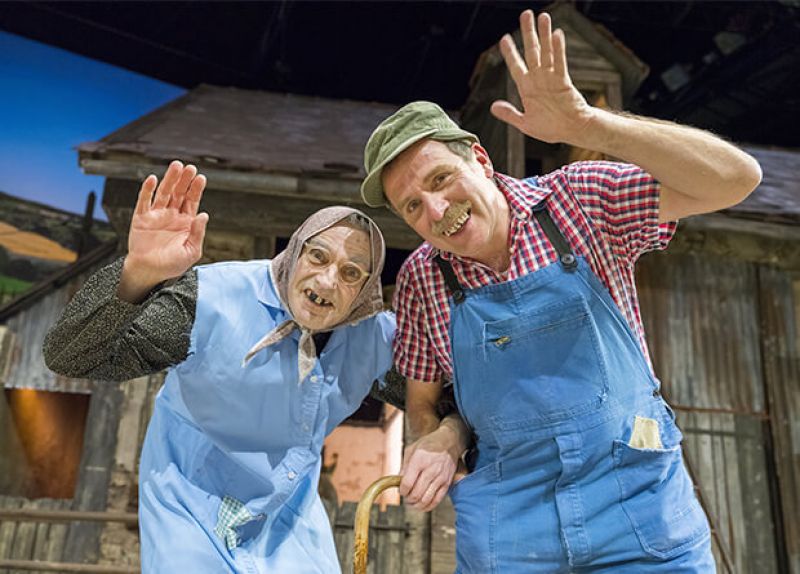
721 308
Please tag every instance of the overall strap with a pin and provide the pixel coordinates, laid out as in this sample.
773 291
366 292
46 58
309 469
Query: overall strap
553 233
450 279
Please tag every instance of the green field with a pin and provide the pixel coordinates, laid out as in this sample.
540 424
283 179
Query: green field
9 286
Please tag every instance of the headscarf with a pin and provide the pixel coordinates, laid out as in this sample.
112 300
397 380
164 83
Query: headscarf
367 303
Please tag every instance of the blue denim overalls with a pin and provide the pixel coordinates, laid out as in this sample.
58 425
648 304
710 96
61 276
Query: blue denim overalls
553 382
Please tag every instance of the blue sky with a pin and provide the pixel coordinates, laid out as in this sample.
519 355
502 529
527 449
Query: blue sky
52 100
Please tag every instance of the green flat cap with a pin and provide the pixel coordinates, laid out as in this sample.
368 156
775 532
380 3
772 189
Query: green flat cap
397 133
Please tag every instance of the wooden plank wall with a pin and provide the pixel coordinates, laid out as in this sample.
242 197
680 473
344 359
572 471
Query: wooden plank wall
443 538
91 492
386 541
780 320
701 317
32 540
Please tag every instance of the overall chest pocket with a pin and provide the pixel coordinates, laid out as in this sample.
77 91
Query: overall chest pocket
544 365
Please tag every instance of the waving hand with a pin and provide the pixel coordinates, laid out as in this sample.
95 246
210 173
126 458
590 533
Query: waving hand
553 109
166 233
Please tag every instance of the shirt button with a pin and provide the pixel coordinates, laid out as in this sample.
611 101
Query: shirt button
291 475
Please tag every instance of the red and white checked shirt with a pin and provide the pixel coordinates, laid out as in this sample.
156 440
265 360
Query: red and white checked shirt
607 211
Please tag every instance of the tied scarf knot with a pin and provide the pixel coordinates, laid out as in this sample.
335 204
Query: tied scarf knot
306 352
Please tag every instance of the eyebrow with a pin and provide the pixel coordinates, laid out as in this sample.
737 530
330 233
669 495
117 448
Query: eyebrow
436 170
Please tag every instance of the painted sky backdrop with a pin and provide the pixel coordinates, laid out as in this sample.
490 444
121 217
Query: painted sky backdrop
52 100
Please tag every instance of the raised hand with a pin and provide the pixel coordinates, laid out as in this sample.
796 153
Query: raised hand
553 109
166 233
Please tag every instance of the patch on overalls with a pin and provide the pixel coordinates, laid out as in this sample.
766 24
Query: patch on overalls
645 433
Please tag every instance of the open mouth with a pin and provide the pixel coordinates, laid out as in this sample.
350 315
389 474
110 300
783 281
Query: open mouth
316 299
456 225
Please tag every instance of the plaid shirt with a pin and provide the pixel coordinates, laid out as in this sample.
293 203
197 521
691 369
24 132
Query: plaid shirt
607 211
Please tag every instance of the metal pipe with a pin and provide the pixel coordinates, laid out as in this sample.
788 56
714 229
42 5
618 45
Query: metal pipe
361 538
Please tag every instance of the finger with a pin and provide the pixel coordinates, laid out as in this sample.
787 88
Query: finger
546 41
416 490
425 487
191 203
146 193
427 498
560 53
437 498
516 66
198 232
182 186
507 113
529 39
167 184
409 480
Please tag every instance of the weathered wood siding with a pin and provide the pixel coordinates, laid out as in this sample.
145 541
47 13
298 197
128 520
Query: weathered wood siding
388 532
32 540
701 314
780 320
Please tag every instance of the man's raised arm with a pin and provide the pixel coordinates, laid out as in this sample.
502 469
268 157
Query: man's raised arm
698 171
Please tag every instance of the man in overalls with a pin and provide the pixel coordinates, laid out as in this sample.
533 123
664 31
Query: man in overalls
523 295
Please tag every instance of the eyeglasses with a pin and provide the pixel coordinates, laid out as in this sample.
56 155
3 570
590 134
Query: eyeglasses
349 273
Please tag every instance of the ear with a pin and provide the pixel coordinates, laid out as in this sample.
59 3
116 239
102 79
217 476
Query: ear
482 157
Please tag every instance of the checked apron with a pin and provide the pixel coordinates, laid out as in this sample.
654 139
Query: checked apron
551 379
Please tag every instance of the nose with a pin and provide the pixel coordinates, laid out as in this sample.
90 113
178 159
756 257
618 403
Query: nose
436 206
327 278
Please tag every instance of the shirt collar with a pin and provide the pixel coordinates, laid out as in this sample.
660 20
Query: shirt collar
267 294
521 195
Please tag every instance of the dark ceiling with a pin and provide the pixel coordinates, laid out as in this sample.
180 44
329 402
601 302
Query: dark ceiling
730 66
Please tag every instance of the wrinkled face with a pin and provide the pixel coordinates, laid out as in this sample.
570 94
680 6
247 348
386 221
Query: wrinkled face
328 276
450 202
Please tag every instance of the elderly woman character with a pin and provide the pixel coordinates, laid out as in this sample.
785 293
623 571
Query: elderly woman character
265 358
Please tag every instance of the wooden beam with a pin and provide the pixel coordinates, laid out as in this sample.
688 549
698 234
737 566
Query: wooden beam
254 214
41 566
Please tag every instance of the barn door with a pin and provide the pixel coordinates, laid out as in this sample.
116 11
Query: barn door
704 327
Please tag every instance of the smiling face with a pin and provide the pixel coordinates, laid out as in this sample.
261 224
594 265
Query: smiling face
451 202
328 276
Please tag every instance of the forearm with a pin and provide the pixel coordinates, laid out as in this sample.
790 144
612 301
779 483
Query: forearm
135 283
460 432
100 336
422 417
689 161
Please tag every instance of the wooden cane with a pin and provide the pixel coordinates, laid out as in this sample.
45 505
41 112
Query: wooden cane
361 544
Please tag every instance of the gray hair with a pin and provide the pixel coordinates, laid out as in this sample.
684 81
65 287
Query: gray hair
462 148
